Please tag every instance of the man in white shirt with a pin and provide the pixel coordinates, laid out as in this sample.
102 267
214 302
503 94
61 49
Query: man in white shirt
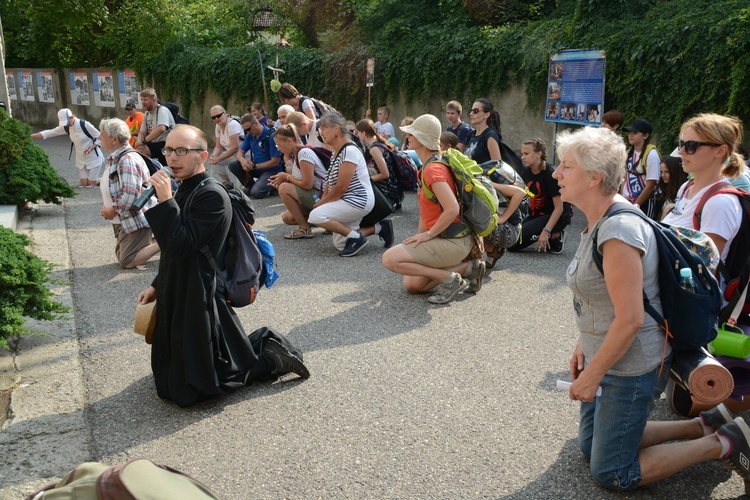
157 122
85 138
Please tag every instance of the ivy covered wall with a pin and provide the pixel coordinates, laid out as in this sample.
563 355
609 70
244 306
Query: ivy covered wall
666 61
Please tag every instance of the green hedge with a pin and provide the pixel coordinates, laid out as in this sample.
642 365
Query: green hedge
23 290
666 61
25 172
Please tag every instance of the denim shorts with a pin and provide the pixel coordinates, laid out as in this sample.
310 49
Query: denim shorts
611 427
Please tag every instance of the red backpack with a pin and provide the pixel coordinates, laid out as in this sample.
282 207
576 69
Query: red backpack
735 269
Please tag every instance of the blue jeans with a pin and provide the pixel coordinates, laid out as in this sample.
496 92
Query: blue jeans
611 427
259 187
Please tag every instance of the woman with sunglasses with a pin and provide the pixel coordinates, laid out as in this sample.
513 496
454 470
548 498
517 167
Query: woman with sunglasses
707 147
483 144
228 135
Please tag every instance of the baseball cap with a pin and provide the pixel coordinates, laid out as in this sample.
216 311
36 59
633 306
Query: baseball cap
64 115
130 105
639 125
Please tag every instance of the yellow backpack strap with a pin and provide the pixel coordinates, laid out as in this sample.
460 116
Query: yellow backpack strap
427 191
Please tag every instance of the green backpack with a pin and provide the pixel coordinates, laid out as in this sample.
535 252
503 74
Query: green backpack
476 196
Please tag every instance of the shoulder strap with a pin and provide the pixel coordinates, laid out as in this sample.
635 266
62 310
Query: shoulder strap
718 188
616 209
427 191
646 152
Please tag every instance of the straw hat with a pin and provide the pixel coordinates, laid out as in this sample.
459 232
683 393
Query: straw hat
145 320
426 129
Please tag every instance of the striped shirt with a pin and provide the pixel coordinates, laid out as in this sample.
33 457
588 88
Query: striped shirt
359 193
308 155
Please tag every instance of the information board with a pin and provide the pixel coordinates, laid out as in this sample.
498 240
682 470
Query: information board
575 87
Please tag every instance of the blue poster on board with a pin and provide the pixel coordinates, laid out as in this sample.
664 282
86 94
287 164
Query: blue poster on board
575 87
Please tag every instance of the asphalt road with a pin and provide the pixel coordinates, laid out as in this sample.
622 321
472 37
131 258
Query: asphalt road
406 399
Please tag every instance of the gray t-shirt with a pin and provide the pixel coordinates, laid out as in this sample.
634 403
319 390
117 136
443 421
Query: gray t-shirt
593 306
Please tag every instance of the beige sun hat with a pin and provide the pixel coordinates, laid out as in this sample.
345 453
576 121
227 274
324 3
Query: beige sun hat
426 129
145 320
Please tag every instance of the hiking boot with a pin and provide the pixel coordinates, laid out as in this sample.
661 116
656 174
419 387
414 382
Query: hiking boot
475 277
716 417
283 360
556 246
386 232
738 434
447 290
354 245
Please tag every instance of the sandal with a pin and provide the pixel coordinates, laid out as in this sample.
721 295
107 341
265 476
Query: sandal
494 256
299 233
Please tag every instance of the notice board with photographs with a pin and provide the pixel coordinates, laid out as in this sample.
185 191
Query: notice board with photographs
575 87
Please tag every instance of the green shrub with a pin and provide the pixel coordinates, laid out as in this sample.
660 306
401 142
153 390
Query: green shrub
23 290
25 171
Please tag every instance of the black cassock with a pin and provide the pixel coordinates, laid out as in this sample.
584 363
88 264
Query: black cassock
191 359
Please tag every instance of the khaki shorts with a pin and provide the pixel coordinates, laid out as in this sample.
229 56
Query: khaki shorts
441 253
128 245
306 197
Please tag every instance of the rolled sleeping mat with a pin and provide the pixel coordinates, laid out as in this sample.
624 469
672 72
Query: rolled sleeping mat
681 402
740 370
708 381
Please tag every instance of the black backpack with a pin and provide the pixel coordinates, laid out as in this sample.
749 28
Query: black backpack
689 319
85 131
175 110
244 272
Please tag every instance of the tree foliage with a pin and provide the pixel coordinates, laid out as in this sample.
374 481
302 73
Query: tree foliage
666 59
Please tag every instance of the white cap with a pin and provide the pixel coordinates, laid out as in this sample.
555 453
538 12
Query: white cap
64 115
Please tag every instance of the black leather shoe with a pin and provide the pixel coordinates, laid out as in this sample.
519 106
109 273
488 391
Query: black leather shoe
284 360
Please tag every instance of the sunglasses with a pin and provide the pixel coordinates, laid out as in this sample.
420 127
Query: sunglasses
178 151
475 111
216 117
692 146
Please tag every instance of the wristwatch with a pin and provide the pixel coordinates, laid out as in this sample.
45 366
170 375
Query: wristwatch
548 230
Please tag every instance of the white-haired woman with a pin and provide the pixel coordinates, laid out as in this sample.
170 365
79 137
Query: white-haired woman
348 194
228 134
620 348
434 256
